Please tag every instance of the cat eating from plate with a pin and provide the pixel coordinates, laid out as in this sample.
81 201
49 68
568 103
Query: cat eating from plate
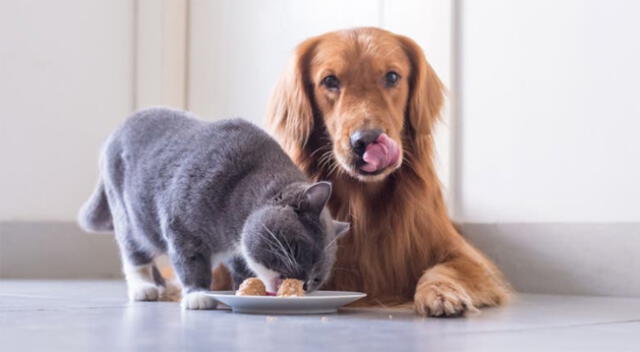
207 193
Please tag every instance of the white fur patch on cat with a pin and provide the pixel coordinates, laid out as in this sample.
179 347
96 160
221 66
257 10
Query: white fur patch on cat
266 275
142 291
140 283
198 300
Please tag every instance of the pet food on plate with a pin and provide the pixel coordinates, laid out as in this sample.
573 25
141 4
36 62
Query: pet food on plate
290 288
254 287
251 287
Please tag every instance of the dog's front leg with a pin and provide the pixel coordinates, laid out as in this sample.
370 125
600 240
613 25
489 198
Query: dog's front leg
463 283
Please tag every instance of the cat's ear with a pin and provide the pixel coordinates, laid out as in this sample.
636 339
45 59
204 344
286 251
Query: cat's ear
341 227
315 197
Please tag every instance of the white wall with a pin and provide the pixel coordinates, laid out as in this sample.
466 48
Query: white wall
66 81
550 111
239 47
68 75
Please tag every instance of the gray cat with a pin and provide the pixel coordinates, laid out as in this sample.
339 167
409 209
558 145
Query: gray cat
209 193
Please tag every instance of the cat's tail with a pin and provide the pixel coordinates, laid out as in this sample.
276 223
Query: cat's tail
95 215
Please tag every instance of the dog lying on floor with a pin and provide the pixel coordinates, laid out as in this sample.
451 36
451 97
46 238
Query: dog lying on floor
358 107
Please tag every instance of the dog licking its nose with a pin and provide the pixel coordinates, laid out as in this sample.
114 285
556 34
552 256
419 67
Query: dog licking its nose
360 139
377 150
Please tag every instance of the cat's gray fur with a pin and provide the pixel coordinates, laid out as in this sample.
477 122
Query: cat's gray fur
209 192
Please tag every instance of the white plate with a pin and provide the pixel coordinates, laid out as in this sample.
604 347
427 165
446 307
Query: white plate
317 302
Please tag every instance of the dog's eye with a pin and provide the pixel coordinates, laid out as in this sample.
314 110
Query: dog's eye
331 82
391 78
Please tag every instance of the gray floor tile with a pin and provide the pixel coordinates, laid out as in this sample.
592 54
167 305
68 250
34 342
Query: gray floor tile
94 315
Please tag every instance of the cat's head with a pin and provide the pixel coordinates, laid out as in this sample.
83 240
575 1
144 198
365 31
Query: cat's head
293 237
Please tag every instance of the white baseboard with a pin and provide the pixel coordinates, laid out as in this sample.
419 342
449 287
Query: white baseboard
572 258
581 259
56 250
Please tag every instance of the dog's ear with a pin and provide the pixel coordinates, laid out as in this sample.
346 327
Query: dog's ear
290 111
426 92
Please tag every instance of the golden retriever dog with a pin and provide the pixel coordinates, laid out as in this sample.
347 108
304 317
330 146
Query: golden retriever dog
358 107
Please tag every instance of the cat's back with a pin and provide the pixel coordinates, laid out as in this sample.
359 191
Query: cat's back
173 130
158 137
167 164
154 125
241 139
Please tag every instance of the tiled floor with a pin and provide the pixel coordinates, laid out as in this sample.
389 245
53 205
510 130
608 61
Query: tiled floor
95 316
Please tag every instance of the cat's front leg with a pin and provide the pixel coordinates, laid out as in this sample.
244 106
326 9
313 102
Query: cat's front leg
193 268
140 282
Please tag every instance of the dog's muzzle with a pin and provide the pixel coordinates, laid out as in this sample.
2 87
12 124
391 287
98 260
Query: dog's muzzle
375 150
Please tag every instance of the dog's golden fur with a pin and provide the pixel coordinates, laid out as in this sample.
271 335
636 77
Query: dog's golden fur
402 245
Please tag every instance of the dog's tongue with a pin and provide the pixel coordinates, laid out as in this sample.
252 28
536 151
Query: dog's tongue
380 154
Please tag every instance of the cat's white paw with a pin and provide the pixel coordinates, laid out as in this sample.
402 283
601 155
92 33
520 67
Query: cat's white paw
198 300
143 292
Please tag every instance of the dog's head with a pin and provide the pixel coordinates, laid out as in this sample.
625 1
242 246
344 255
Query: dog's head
367 93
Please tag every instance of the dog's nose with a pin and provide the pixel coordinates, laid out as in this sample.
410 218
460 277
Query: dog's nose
360 139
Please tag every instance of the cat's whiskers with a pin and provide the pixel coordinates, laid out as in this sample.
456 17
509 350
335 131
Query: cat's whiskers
277 251
274 248
287 255
330 243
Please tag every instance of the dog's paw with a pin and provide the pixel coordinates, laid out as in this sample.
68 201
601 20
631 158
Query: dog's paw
440 298
198 300
143 292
